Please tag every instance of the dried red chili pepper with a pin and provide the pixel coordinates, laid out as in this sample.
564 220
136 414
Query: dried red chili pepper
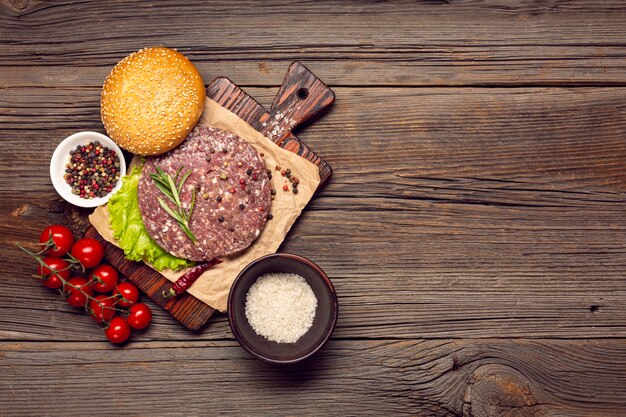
185 281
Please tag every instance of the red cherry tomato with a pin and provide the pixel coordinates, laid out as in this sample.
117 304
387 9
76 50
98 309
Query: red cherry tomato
61 266
75 298
129 294
102 308
88 251
60 238
140 316
105 277
118 330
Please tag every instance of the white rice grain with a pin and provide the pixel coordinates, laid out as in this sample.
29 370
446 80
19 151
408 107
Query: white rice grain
281 307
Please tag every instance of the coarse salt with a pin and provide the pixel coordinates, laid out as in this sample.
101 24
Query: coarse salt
281 307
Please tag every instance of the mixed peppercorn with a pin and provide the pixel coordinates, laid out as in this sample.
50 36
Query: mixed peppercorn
292 179
93 170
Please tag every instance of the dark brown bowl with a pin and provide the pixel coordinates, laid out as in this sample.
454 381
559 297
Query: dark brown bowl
325 314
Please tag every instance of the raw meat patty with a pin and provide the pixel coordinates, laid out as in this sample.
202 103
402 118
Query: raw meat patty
233 195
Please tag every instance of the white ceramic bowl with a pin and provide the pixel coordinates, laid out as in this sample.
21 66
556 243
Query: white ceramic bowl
61 157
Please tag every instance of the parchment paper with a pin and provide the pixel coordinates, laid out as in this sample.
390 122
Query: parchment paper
213 286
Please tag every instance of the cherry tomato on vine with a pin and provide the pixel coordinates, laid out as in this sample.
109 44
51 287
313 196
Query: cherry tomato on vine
128 292
140 316
52 282
105 278
57 238
61 266
75 297
118 330
102 308
88 251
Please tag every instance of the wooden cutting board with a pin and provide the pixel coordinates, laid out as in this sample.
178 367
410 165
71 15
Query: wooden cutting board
301 97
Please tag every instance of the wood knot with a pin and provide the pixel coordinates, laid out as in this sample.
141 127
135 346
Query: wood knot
498 390
20 211
19 5
455 363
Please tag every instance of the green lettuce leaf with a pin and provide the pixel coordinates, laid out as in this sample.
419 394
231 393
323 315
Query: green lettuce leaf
130 232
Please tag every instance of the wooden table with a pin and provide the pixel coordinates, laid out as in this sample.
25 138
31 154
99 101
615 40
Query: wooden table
474 227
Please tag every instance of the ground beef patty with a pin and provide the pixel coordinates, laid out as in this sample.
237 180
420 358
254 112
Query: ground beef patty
233 195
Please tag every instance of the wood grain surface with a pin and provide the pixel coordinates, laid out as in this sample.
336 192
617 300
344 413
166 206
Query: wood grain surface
474 226
434 378
432 42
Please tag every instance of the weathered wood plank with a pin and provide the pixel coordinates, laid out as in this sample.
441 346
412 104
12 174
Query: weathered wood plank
553 138
344 43
488 213
428 378
440 280
452 212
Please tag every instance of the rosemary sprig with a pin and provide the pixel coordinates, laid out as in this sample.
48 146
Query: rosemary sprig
171 187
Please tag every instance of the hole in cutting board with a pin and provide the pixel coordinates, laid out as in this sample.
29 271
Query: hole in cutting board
302 93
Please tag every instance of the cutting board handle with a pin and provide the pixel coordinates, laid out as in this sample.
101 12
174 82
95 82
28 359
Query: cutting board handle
301 97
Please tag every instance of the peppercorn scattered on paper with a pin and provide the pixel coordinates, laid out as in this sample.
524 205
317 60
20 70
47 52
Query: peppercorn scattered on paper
214 285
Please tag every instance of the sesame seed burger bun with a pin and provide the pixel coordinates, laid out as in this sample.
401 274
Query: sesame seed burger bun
151 100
